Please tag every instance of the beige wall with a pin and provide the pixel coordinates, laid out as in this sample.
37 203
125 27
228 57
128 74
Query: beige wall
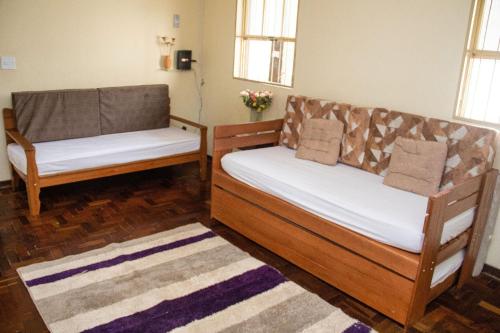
403 55
94 43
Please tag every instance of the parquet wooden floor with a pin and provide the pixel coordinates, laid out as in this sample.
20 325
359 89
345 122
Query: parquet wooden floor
88 215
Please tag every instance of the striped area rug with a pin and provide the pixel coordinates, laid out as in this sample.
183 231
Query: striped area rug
182 280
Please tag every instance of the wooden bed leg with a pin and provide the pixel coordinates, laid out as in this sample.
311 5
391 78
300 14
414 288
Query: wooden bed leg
433 230
33 191
33 184
203 168
483 210
203 154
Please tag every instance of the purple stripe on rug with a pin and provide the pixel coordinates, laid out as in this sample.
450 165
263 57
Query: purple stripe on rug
118 260
181 311
358 327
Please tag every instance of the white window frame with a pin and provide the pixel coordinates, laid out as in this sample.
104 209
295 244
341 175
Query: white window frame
473 52
274 39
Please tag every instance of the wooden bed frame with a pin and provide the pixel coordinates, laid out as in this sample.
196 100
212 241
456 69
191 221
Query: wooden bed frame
395 282
34 182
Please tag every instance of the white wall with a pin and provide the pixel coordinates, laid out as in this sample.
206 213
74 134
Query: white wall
402 55
94 43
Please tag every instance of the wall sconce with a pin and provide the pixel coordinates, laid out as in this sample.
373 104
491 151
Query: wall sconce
166 43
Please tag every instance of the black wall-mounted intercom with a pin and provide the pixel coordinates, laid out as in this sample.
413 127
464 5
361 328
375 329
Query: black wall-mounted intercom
184 60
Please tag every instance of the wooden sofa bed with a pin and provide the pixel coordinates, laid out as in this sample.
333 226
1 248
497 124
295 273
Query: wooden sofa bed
395 282
70 116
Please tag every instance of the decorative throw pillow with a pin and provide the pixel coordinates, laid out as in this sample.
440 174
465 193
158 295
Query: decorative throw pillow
320 141
417 166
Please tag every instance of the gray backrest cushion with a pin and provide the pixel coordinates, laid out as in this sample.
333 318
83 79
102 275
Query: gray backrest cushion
58 114
135 108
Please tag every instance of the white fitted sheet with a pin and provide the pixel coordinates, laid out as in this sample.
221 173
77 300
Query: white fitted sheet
345 195
447 267
76 154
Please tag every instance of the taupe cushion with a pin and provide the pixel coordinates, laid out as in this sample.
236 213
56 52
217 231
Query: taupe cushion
57 115
135 108
320 141
417 166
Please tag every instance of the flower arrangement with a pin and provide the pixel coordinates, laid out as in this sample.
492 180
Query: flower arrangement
257 100
166 44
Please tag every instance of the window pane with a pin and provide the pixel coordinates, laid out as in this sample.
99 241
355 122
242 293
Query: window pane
258 59
260 53
290 18
287 63
273 16
237 57
482 101
255 10
489 34
239 17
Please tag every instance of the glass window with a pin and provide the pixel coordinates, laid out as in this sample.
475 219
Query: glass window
265 40
479 98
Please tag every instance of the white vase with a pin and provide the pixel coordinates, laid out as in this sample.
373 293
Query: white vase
255 115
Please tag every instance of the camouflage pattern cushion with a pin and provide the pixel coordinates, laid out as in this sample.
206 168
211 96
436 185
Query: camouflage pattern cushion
370 134
356 125
385 127
471 149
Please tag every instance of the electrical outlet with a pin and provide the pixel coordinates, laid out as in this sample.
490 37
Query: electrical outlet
8 62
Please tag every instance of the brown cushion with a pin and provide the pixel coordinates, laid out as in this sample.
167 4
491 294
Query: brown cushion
320 141
134 108
57 114
416 166
386 126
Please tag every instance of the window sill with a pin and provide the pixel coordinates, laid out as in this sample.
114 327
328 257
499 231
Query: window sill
481 123
279 85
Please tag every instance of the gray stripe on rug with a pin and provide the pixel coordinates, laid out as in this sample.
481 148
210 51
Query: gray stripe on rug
175 279
107 248
291 315
59 287
107 292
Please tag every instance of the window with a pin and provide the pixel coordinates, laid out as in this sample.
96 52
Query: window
479 98
265 40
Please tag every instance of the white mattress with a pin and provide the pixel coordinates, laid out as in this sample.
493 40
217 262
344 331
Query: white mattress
350 197
83 153
447 267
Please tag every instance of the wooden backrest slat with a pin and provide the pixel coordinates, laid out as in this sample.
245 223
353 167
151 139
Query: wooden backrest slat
460 206
453 246
465 189
442 287
225 131
245 141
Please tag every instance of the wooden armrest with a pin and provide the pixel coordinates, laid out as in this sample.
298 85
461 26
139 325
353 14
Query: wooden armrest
188 122
225 131
228 137
459 198
20 140
461 190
